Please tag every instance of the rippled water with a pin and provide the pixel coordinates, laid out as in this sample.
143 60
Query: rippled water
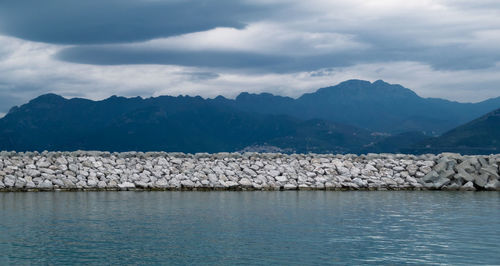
264 228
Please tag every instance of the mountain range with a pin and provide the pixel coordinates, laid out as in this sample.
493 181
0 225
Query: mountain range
377 106
352 117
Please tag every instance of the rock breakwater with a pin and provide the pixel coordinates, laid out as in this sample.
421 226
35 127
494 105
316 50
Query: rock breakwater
86 170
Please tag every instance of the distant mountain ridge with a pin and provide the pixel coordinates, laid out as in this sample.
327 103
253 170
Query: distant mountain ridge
377 106
187 124
350 117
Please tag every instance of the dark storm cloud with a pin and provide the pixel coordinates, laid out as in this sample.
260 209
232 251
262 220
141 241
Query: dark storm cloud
112 21
441 58
217 59
124 21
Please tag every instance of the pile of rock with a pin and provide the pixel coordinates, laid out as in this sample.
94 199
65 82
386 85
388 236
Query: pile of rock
33 171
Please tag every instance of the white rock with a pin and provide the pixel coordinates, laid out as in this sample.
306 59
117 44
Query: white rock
281 178
112 184
161 183
494 184
230 184
468 186
187 183
30 185
245 182
92 183
9 181
58 182
46 184
126 185
101 184
274 173
141 184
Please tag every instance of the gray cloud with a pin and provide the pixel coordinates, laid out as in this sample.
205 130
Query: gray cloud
120 56
451 57
112 21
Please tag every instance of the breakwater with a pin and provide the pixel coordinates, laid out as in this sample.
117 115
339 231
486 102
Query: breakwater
87 170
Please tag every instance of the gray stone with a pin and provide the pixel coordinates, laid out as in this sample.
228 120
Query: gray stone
489 170
230 184
112 184
81 184
187 183
58 183
440 167
359 182
245 182
9 180
431 177
464 175
142 184
20 183
101 184
126 186
281 178
481 180
30 185
161 183
441 182
447 174
46 184
69 183
274 173
468 186
92 183
494 184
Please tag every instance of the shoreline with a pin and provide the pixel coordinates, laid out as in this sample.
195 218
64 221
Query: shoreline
162 171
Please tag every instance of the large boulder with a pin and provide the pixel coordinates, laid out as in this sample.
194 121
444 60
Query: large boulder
187 183
9 181
432 176
162 182
230 184
245 182
494 184
481 180
126 186
442 181
46 185
462 174
20 183
469 186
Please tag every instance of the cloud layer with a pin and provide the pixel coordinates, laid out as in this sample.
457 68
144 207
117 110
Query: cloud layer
438 48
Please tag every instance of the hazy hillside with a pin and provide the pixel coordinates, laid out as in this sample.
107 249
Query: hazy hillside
480 136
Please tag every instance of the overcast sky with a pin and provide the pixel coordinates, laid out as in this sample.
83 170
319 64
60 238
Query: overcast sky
95 49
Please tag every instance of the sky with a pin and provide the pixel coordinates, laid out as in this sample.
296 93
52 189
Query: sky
94 49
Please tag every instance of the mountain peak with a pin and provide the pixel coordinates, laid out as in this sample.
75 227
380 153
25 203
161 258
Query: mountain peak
49 98
380 82
362 88
354 82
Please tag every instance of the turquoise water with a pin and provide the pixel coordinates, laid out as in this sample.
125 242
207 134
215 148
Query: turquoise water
227 228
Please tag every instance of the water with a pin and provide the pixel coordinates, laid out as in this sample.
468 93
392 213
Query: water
227 228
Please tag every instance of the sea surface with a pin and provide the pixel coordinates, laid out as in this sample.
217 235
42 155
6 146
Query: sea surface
261 228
